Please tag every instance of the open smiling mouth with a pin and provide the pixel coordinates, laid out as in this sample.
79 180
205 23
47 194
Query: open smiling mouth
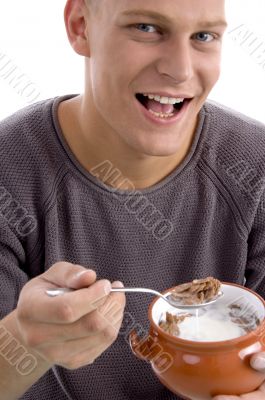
162 107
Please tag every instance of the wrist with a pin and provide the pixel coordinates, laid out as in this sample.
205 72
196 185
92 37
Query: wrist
15 351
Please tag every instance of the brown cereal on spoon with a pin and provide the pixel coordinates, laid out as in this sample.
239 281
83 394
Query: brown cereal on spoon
197 291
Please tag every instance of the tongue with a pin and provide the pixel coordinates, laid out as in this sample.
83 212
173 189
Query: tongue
158 107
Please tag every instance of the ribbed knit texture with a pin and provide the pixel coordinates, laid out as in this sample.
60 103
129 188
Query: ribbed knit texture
214 201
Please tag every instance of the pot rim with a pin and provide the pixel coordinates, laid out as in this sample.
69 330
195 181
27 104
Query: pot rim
209 344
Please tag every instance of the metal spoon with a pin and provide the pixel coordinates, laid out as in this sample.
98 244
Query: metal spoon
167 297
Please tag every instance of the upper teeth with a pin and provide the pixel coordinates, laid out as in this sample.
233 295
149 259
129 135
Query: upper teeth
164 100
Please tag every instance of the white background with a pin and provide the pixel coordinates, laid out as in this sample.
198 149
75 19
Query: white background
33 38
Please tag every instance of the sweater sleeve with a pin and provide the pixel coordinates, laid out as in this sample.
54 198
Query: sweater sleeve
12 260
255 269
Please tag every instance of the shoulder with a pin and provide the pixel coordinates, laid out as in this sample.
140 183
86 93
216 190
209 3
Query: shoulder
240 129
19 127
234 153
235 137
24 129
29 152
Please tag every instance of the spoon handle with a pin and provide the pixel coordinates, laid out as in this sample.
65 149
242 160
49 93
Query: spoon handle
139 290
58 291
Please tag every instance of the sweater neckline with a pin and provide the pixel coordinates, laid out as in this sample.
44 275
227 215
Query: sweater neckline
189 161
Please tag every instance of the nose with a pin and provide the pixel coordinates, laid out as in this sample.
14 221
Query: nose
175 63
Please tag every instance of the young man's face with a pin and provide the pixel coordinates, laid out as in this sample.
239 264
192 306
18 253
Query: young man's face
168 48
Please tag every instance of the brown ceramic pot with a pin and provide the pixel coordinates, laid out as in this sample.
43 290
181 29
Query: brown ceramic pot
200 370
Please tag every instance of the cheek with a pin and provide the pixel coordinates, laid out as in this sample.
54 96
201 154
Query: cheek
210 71
125 59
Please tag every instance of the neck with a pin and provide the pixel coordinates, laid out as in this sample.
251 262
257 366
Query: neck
112 161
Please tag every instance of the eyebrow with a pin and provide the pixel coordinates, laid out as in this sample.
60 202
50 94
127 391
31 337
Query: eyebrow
165 20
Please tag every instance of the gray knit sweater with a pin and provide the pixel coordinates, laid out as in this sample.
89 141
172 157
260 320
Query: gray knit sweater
206 218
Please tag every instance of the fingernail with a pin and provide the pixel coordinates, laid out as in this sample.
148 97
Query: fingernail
80 273
258 363
117 284
107 287
220 398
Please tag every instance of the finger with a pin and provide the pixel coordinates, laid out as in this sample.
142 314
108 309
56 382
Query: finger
64 309
226 397
64 274
109 310
85 358
110 313
115 302
262 387
87 351
257 361
94 353
256 395
117 284
41 334
64 352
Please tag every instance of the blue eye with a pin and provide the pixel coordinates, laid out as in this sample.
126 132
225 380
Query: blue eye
144 28
205 36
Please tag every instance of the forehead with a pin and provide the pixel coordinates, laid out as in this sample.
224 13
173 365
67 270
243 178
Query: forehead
188 11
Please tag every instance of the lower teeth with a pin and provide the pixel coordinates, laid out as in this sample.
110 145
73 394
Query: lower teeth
161 115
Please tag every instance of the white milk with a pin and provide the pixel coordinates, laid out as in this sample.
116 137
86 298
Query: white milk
209 325
205 329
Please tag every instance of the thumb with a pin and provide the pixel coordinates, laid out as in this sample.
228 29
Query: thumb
257 361
65 274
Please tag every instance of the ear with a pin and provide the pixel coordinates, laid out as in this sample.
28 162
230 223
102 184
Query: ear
75 18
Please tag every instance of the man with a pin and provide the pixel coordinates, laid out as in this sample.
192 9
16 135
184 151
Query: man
79 176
